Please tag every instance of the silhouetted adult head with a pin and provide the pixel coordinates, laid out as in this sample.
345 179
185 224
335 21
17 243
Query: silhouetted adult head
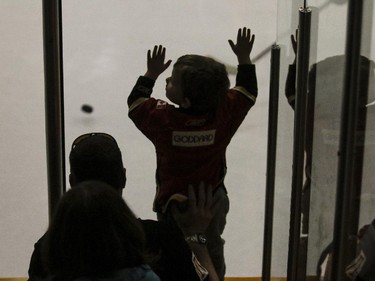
97 156
93 232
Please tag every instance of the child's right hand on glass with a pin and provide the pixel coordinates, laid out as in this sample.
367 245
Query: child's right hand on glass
155 62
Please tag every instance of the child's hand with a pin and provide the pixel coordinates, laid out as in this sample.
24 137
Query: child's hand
155 62
244 45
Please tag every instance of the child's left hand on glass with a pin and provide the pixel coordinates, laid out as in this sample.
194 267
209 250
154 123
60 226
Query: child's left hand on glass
155 62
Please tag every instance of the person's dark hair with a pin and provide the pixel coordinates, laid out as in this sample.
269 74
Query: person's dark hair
204 81
93 232
96 156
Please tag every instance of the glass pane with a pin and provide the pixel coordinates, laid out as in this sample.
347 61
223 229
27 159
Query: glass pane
367 199
105 45
326 85
287 23
23 192
328 92
367 204
325 82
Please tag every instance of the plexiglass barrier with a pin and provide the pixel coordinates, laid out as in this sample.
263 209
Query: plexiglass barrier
105 47
104 50
326 80
23 192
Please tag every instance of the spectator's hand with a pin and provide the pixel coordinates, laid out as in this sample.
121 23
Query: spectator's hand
155 62
294 40
196 217
244 45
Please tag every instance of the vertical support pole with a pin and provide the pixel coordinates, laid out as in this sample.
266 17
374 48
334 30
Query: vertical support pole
344 240
53 79
303 53
273 109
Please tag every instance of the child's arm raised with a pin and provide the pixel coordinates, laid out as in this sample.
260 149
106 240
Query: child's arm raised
244 45
246 81
155 62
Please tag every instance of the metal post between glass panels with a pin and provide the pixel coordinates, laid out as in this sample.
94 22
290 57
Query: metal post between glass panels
303 53
271 161
53 80
344 240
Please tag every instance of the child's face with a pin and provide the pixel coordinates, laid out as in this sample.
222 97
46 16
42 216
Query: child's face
173 88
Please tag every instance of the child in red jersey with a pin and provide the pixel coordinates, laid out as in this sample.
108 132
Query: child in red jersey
191 139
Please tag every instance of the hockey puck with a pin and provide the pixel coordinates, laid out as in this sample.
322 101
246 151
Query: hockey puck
87 108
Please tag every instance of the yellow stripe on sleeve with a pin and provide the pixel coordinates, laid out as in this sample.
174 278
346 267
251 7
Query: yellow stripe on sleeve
136 103
245 92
